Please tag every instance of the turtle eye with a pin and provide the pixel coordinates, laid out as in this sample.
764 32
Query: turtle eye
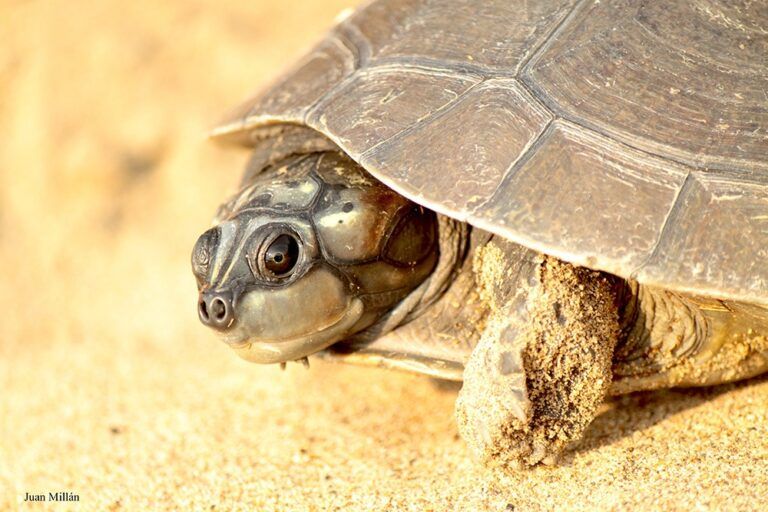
281 255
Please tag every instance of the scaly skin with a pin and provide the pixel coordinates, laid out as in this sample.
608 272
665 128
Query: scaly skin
673 339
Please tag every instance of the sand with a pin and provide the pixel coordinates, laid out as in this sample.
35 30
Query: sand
542 367
109 387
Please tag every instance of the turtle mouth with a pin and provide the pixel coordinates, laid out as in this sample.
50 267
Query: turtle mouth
265 350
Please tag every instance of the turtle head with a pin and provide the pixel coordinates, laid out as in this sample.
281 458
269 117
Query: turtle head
310 252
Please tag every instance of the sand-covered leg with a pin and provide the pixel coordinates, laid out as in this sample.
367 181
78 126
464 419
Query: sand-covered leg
543 363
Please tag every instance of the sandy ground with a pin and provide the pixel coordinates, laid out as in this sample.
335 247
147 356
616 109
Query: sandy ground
109 387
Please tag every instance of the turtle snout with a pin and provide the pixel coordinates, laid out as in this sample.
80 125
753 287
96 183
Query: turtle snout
216 310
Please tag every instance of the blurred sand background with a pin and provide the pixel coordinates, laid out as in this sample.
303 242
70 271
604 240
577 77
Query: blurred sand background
110 388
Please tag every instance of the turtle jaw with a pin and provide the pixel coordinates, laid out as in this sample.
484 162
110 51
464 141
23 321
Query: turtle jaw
278 324
266 351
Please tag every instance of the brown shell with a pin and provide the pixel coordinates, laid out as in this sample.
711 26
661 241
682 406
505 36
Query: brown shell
627 136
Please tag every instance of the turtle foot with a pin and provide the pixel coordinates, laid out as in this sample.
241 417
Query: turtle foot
543 364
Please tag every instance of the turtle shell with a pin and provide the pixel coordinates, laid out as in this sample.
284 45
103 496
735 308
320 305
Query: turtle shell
627 136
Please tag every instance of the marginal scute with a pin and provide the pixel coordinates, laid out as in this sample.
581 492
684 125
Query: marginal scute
372 107
497 121
684 80
289 98
582 196
724 219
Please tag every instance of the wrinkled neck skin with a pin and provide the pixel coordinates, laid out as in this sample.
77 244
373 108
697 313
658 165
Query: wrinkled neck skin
454 249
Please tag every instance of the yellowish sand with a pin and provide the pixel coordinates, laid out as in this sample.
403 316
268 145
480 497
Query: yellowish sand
110 389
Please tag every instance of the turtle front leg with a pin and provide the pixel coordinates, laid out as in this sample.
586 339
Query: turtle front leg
543 363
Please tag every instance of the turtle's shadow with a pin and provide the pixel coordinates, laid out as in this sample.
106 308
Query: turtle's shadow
625 415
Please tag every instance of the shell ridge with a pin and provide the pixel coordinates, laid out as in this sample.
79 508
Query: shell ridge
455 67
414 67
526 64
690 55
355 37
686 158
672 214
432 116
310 116
356 66
514 166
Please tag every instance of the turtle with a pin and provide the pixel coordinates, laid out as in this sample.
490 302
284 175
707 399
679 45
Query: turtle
553 202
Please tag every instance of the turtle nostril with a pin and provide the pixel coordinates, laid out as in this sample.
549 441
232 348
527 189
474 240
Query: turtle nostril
218 309
203 310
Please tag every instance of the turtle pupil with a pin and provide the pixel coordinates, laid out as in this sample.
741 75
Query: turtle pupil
281 255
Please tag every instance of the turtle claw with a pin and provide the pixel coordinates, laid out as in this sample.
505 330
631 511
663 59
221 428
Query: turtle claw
304 362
